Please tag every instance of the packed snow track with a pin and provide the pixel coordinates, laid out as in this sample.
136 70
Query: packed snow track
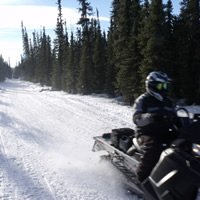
46 142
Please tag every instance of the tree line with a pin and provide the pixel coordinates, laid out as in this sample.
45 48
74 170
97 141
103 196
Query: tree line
5 70
143 36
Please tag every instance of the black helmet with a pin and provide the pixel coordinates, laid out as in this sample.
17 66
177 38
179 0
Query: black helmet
156 84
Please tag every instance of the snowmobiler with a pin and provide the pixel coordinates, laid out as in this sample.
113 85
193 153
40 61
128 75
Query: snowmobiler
176 176
152 113
162 154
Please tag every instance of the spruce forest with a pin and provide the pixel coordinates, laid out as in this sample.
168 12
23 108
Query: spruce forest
143 36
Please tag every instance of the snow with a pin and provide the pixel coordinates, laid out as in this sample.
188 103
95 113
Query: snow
46 140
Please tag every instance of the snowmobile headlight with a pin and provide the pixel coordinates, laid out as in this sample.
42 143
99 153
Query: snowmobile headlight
196 149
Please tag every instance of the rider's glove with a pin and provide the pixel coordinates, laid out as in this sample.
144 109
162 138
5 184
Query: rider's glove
144 119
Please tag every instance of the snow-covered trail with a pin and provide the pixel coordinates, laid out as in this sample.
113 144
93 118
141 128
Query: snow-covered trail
46 142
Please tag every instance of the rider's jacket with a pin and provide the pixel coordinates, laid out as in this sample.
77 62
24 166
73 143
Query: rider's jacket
153 117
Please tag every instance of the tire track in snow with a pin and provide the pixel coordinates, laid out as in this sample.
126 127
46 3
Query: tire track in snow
35 141
42 123
26 165
31 162
86 117
6 162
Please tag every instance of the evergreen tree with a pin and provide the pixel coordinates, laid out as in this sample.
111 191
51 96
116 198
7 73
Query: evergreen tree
99 59
5 70
58 75
116 4
26 49
31 64
71 76
110 68
126 48
153 39
65 58
29 58
142 35
171 55
35 55
189 47
49 61
27 67
123 31
44 64
86 78
169 37
77 54
131 79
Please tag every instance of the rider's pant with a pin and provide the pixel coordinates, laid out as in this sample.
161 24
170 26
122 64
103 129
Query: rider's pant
152 148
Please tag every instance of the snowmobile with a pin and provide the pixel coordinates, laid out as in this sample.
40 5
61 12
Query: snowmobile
176 176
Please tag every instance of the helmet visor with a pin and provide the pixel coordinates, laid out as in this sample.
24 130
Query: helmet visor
161 86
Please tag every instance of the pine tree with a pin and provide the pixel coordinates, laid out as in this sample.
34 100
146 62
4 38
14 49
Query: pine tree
49 61
43 64
99 58
26 50
116 4
171 56
5 70
58 75
31 64
126 48
65 58
110 65
71 76
35 55
189 47
27 67
110 69
77 59
86 78
152 39
142 35
131 76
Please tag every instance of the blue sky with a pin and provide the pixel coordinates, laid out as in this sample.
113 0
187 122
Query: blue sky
38 13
